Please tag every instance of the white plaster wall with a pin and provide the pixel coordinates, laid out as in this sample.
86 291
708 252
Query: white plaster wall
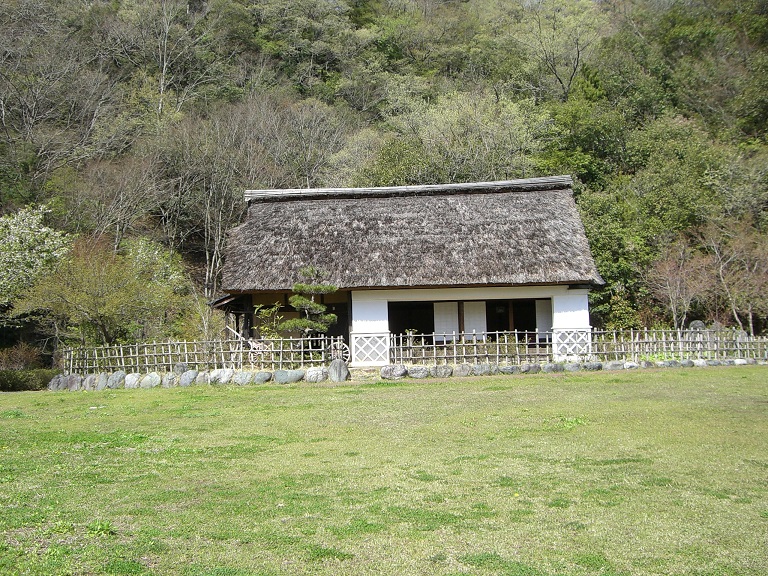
570 308
570 311
369 316
459 294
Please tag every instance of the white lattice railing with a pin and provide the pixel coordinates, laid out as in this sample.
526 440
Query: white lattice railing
571 344
370 349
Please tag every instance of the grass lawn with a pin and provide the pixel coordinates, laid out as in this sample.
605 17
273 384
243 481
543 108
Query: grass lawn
628 473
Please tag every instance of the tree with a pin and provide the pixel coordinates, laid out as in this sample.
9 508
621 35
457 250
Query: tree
28 249
110 198
462 138
559 36
205 162
96 296
53 101
312 318
740 264
679 277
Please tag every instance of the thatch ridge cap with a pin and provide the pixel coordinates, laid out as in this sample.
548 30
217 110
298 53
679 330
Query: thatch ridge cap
522 184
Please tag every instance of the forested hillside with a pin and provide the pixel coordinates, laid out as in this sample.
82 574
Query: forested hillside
130 128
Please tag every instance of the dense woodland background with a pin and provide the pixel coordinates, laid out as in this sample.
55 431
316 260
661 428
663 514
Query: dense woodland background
130 128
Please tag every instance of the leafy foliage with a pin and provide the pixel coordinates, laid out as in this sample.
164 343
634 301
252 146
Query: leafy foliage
98 296
25 380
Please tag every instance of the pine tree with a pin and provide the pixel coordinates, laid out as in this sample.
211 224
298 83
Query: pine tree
313 318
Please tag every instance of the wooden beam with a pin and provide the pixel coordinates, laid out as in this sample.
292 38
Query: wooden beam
521 185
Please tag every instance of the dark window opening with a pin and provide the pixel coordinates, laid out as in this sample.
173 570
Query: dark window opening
524 315
497 315
341 327
411 316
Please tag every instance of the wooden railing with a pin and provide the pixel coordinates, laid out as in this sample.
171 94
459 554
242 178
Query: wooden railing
516 347
271 354
637 345
532 347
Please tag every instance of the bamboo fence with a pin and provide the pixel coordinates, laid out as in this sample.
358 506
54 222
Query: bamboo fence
514 347
281 353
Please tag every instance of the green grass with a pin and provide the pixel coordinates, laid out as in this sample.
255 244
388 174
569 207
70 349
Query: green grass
616 474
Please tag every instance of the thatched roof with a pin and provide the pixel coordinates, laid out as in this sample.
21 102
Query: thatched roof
517 232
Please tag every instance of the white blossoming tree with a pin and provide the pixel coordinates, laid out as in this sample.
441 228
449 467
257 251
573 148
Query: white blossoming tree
27 248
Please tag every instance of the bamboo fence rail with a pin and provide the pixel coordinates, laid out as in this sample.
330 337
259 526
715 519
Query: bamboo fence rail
652 345
514 347
282 353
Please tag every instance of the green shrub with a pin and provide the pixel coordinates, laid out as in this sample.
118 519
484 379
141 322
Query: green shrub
19 380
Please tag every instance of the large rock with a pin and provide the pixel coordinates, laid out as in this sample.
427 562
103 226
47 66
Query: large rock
418 372
101 381
132 380
530 368
188 378
203 377
631 365
89 383
316 374
700 363
170 380
116 380
74 382
242 378
222 376
613 365
56 383
514 369
572 367
338 371
288 376
393 371
550 367
151 380
592 366
482 369
441 371
262 377
462 370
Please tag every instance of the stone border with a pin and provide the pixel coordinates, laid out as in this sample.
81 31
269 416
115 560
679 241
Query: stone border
398 371
339 372
183 377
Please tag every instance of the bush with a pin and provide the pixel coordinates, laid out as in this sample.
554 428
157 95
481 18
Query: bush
20 380
20 357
